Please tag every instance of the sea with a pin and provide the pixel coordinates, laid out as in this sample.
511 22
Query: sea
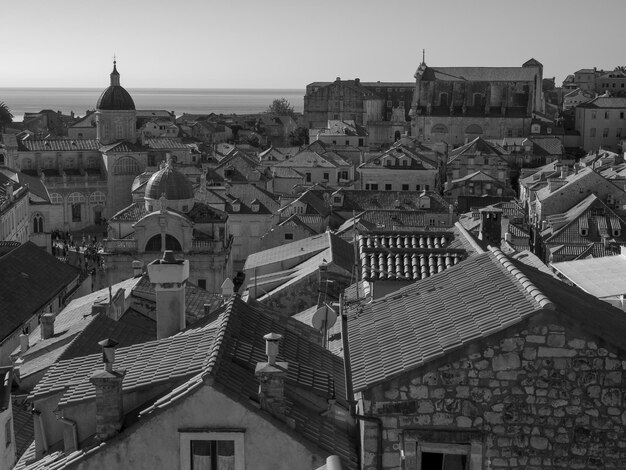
178 100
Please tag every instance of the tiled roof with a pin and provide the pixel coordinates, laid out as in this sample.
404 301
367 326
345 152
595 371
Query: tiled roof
165 144
25 267
202 213
362 200
285 172
605 102
59 145
481 74
227 353
156 362
120 147
132 213
432 317
408 257
478 146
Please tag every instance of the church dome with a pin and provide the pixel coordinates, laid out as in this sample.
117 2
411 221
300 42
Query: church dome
115 97
170 183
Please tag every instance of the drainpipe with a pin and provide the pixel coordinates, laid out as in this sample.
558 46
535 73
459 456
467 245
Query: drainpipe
350 392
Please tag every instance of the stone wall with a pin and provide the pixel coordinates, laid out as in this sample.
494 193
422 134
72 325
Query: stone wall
545 397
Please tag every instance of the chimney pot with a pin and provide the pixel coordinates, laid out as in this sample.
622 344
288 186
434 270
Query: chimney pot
47 325
108 353
271 347
137 267
23 342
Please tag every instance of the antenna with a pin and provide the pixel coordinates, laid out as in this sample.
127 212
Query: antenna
423 56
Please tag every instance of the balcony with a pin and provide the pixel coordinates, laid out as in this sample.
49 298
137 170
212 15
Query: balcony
118 245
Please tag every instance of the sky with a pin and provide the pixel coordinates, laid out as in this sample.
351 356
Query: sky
290 43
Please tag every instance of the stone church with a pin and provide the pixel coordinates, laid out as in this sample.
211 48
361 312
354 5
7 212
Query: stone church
89 180
457 104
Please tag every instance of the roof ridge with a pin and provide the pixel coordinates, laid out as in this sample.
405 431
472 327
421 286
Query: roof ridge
216 350
526 283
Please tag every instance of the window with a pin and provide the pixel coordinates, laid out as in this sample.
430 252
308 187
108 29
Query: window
374 187
202 283
76 212
289 236
405 187
593 114
308 177
126 166
592 132
417 187
405 163
388 103
27 164
387 187
325 176
38 224
606 114
426 187
618 133
621 115
212 451
56 198
605 132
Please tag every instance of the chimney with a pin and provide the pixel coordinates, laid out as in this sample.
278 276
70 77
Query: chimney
207 309
228 288
137 268
47 325
555 183
108 384
564 171
169 276
272 375
23 343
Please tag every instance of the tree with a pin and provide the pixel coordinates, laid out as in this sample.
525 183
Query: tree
299 136
620 68
280 107
6 117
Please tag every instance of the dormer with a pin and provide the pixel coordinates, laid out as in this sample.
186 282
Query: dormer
535 128
583 227
337 199
236 205
255 205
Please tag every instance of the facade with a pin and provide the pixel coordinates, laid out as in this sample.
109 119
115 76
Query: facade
341 133
15 212
502 387
170 218
601 123
7 434
457 104
480 156
576 97
399 169
319 165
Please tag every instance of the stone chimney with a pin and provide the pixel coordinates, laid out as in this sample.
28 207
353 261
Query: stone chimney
555 183
109 402
47 325
564 171
169 276
228 288
272 377
23 343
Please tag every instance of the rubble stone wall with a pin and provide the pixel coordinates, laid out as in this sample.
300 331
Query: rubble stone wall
543 398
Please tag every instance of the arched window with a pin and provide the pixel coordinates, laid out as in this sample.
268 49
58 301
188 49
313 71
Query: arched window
474 129
171 243
1 159
27 164
439 129
56 198
126 166
38 223
97 197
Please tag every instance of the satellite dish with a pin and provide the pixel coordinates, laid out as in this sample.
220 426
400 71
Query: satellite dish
324 318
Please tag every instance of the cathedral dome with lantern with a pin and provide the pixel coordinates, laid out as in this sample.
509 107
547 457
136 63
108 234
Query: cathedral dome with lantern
170 186
115 97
